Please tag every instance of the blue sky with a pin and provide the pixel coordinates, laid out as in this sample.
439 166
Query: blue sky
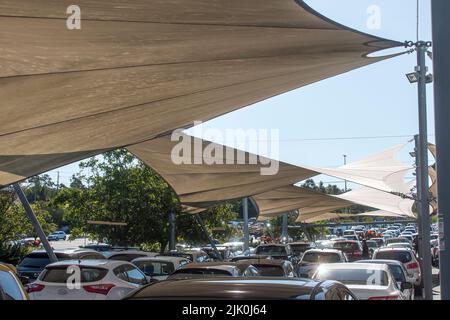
373 101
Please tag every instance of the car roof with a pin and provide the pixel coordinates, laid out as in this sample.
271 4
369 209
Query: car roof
64 251
221 287
324 250
112 253
272 245
88 263
268 262
354 265
394 249
381 261
227 266
161 259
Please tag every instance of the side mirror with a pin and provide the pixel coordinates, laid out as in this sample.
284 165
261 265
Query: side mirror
24 280
406 285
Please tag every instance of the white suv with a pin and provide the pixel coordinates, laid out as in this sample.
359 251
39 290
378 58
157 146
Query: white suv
405 256
97 280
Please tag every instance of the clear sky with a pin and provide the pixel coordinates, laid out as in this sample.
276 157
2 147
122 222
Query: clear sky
373 101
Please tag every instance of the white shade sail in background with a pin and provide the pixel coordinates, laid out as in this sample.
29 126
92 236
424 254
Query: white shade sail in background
319 217
382 171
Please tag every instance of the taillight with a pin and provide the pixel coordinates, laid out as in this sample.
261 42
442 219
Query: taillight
384 298
99 288
34 287
412 265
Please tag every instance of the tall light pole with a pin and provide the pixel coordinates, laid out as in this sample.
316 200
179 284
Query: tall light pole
440 10
345 163
421 78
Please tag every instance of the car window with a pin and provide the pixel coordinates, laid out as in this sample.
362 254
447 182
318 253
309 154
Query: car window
397 272
130 274
92 256
270 271
61 274
30 262
354 276
155 268
346 246
402 256
271 250
10 286
321 257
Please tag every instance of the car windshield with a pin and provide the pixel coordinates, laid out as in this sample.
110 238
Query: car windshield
397 240
300 248
270 271
62 274
397 272
30 262
354 276
155 268
346 246
402 256
198 273
271 250
321 257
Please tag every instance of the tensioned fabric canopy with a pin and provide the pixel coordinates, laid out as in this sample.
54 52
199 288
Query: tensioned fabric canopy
141 68
201 183
290 198
382 171
318 217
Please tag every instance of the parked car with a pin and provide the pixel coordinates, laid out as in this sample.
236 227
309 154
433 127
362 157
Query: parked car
99 247
242 288
400 275
300 247
351 237
33 263
271 267
99 280
379 241
313 258
352 249
195 255
10 285
160 267
397 240
366 281
213 269
127 255
405 256
56 236
434 253
276 251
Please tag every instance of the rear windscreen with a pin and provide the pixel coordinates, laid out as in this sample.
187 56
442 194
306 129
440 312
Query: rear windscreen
321 257
401 256
62 274
354 276
199 273
269 271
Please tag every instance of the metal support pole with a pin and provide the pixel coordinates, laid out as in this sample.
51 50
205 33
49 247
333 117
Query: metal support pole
284 230
419 216
246 232
34 221
423 188
441 49
213 245
172 227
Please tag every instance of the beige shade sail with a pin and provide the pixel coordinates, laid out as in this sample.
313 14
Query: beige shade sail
318 217
205 179
141 68
290 198
382 171
433 176
380 200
